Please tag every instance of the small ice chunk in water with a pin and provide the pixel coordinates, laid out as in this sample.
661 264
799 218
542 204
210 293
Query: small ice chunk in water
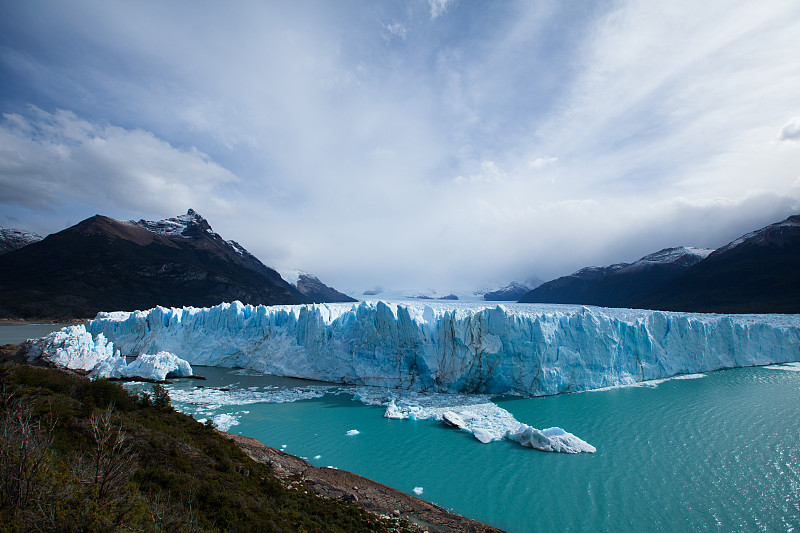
792 367
225 421
352 432
393 412
317 457
418 491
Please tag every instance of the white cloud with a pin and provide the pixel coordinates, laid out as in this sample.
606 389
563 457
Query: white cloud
396 29
489 173
48 160
345 148
439 6
543 162
662 94
791 131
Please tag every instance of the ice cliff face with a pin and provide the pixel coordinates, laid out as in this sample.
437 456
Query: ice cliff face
72 347
516 349
75 348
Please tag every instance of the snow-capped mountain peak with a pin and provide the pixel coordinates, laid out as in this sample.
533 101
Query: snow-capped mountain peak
679 255
513 291
766 234
178 226
13 239
293 276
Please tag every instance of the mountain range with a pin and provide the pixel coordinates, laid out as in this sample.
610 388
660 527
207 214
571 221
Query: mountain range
756 273
103 264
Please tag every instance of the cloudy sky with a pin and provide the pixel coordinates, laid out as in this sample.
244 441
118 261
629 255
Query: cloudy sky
407 143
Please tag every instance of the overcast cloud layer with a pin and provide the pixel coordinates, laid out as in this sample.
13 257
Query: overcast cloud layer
440 143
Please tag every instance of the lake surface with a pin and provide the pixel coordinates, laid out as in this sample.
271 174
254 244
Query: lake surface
716 453
19 333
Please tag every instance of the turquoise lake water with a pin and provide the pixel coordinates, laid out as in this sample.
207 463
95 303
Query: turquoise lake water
716 453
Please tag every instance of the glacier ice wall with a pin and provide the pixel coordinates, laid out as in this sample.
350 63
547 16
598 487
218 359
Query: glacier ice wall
514 349
72 347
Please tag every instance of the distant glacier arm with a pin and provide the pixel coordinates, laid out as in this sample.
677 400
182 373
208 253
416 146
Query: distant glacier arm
527 350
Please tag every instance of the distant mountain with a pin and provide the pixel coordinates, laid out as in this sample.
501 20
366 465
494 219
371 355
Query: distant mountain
103 264
14 239
619 285
374 291
392 295
511 292
757 273
313 289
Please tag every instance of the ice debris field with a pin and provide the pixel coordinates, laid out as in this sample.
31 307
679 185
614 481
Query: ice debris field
467 349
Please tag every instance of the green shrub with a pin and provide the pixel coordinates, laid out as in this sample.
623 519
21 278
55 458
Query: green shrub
183 476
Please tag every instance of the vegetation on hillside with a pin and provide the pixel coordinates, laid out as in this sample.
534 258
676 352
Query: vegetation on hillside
80 455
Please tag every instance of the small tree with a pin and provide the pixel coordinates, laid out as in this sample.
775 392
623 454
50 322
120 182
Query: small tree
113 461
161 397
25 451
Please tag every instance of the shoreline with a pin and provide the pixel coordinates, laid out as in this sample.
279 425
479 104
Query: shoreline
43 321
366 493
333 483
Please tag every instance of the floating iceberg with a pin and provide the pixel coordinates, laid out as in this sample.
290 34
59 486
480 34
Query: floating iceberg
550 440
517 349
453 420
474 414
483 435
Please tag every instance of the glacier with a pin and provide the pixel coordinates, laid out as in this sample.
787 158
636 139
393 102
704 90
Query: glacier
515 349
75 348
158 367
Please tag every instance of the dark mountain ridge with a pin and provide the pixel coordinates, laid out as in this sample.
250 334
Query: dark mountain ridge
756 273
317 292
618 285
103 264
